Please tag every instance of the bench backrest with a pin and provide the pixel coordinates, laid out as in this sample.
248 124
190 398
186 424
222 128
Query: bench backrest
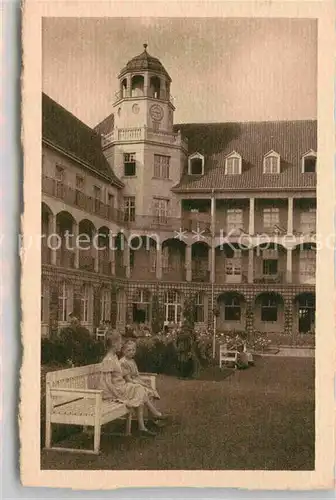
82 377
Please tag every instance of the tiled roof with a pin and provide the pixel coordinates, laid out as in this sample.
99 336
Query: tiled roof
252 140
106 126
64 130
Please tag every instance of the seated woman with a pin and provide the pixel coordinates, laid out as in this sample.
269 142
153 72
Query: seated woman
115 387
130 370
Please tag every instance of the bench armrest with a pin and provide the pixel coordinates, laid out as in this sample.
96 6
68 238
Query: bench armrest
147 374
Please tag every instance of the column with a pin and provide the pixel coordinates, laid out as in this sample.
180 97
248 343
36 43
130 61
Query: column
112 260
146 84
129 83
250 271
95 251
290 216
188 262
213 233
52 230
213 215
159 261
251 217
289 266
75 244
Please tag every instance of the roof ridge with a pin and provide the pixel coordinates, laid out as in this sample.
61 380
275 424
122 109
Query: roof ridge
301 120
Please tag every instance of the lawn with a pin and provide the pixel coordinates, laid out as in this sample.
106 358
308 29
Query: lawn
259 418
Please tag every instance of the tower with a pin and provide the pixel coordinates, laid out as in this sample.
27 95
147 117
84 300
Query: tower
143 98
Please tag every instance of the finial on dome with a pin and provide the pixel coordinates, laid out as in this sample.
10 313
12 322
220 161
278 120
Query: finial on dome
145 46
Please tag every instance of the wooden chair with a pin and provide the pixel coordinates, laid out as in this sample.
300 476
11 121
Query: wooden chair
101 333
227 357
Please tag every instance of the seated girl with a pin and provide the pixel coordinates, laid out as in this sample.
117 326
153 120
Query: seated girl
116 388
130 370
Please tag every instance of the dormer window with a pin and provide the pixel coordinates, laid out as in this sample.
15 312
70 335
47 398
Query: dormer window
233 164
272 163
196 164
309 162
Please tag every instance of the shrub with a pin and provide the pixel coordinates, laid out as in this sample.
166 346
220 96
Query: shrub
73 345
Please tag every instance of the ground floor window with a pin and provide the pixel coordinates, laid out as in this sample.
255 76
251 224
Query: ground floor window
269 309
64 302
105 305
121 306
199 308
86 304
44 302
306 314
233 267
232 308
270 267
142 306
173 306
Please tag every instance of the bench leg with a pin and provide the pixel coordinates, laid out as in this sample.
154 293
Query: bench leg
129 424
96 439
48 434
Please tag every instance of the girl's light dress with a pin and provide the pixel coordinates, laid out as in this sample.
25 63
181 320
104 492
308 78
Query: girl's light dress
116 388
129 368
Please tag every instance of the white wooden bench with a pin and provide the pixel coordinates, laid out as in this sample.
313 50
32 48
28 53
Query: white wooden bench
73 398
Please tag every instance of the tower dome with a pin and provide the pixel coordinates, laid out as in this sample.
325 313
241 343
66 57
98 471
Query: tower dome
144 62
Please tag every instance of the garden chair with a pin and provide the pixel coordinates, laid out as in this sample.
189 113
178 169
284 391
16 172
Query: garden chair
101 333
227 357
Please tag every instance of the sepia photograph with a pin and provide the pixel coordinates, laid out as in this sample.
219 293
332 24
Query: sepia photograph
179 243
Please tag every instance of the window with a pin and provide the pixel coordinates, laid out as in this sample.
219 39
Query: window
161 209
232 309
64 302
272 163
173 307
269 309
60 173
129 209
233 267
86 304
196 164
270 267
234 219
233 164
79 182
271 217
307 265
121 306
44 303
161 166
199 308
308 221
105 306
309 162
97 192
110 200
141 306
129 164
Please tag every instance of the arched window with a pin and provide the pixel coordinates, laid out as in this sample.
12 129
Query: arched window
233 164
269 308
173 306
232 308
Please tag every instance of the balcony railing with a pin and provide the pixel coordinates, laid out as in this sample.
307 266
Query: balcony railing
86 261
80 200
65 258
130 94
269 279
174 273
200 275
143 272
142 134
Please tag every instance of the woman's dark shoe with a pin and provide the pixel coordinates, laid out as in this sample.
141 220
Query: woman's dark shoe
147 433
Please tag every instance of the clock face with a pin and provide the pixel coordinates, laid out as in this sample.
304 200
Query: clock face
135 108
156 112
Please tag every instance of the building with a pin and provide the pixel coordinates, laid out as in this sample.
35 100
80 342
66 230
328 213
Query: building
225 212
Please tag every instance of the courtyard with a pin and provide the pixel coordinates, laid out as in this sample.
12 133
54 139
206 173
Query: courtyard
259 418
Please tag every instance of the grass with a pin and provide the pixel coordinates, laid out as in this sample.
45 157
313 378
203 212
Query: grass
261 418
